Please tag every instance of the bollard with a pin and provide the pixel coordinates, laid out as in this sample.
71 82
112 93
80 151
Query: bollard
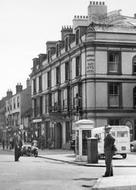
92 150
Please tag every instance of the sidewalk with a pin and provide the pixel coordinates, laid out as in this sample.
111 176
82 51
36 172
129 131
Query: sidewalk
108 183
69 157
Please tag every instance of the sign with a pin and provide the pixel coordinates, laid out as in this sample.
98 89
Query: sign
37 120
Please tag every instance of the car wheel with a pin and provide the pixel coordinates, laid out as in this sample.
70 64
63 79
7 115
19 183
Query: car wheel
124 155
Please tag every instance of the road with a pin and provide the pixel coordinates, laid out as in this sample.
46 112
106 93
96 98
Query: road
32 173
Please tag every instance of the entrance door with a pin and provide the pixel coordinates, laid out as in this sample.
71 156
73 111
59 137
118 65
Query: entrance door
58 136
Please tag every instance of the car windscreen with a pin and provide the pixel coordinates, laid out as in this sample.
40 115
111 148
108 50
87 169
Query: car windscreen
121 134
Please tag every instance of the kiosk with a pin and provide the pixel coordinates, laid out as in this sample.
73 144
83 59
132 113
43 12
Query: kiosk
82 133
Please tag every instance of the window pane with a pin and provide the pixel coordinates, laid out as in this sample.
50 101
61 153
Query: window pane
114 100
122 133
114 61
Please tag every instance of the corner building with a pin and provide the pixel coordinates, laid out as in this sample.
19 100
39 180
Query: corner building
89 74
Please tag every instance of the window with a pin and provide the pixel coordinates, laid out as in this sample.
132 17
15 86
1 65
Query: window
122 133
49 79
34 86
134 65
77 37
55 101
114 62
50 102
35 108
49 55
40 83
46 103
64 99
41 105
114 122
114 94
67 71
66 44
77 66
57 50
18 102
77 97
58 75
68 131
134 97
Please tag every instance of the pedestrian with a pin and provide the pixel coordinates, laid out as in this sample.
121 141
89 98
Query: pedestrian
17 147
3 144
109 150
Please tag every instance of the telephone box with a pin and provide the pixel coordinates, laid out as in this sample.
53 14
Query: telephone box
82 133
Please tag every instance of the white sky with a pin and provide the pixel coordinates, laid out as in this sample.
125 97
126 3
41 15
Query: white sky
26 26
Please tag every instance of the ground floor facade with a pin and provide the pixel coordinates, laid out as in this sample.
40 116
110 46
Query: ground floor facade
57 132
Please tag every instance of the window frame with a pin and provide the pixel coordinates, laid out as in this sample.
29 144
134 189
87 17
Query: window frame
134 65
134 97
78 66
118 71
115 85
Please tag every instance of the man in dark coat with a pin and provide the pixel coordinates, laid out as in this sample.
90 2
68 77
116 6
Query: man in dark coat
17 146
108 151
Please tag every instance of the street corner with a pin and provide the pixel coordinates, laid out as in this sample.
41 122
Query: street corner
119 182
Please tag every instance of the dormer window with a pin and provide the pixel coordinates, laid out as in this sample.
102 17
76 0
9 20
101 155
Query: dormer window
66 44
77 37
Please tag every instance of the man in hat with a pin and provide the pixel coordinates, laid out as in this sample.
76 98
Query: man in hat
17 146
108 151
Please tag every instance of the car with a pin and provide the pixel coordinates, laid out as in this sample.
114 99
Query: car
29 150
133 146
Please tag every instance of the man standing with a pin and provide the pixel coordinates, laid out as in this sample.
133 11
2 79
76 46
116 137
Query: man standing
108 151
17 146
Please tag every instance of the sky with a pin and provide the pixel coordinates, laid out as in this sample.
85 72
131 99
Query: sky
26 26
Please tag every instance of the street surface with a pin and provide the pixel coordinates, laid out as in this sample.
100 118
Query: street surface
32 173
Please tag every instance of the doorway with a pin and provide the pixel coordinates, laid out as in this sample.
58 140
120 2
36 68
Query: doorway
58 136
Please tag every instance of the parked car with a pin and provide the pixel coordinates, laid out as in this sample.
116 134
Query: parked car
133 146
29 150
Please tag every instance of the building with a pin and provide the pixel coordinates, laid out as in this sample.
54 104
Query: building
18 111
3 129
89 74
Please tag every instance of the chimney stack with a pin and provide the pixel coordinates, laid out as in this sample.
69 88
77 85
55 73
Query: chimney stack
9 93
19 88
96 9
66 30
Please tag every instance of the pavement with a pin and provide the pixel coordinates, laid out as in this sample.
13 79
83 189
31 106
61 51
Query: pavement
103 183
68 156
